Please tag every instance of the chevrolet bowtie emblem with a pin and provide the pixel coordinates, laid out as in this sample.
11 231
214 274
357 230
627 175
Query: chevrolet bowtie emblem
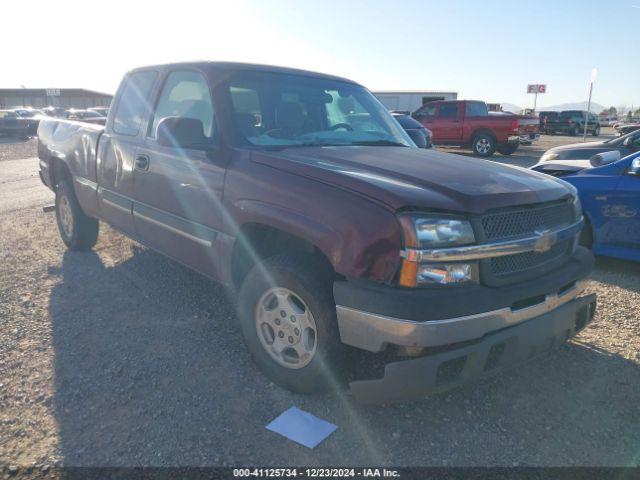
545 240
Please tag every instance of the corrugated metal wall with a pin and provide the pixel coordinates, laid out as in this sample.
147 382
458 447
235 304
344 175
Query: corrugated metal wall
66 99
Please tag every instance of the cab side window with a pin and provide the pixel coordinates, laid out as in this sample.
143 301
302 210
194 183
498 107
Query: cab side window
477 109
133 104
185 94
428 110
448 110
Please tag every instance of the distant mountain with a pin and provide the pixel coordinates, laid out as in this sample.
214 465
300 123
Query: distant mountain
595 107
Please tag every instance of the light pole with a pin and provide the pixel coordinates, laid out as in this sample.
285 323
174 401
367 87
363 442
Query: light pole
594 74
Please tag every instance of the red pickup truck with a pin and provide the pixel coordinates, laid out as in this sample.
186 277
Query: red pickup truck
301 192
468 123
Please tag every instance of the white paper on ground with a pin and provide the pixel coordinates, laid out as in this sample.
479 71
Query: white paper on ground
302 427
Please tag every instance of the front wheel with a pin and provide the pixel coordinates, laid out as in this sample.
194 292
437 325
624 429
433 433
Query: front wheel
484 145
288 319
78 231
507 149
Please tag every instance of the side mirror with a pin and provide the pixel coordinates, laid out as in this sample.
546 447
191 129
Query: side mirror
182 132
604 158
634 169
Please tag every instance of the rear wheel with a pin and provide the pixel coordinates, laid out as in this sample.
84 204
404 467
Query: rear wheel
596 132
574 131
78 231
483 145
507 149
288 319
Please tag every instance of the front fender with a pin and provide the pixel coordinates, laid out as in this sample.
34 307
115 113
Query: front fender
354 250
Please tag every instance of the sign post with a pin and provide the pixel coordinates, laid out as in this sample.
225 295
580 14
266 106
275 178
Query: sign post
536 89
594 74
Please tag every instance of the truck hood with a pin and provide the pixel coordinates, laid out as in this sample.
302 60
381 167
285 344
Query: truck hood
402 177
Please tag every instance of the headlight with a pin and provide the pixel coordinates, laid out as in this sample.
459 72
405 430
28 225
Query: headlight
436 232
547 157
423 232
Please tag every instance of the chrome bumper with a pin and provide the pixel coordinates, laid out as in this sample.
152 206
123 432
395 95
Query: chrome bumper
525 138
414 378
373 332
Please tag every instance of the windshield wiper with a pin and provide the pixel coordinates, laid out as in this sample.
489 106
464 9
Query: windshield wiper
379 143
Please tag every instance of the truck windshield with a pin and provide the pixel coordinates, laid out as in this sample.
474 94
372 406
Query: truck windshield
287 110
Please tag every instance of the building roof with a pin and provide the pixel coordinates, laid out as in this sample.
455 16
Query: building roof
43 91
414 91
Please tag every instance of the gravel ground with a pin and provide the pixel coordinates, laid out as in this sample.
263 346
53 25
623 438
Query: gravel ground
119 356
14 149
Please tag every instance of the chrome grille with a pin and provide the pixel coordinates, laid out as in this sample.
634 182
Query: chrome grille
525 221
521 262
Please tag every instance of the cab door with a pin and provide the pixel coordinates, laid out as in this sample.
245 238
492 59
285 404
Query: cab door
117 149
177 207
449 123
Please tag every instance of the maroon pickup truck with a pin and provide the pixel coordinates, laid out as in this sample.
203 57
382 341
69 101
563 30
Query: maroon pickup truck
468 123
301 192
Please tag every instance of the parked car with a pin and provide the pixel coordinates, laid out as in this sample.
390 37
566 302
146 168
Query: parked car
625 128
609 189
308 198
467 123
52 111
13 124
29 112
102 111
86 116
608 121
420 135
547 121
626 145
34 115
571 122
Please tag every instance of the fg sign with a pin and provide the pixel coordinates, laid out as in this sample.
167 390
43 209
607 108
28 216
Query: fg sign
536 89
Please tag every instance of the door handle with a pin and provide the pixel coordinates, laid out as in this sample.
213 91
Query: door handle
142 162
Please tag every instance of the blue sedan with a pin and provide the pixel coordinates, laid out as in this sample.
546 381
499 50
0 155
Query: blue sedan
610 196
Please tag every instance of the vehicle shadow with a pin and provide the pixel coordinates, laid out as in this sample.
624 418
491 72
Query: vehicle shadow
141 369
150 369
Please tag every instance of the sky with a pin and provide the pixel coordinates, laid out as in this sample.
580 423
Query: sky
483 49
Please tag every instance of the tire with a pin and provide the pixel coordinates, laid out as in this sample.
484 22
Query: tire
574 131
304 284
586 235
507 149
483 145
78 231
596 132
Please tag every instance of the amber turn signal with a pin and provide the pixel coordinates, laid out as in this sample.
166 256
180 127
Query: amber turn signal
408 273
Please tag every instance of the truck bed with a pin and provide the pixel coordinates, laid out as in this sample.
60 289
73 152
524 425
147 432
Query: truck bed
75 142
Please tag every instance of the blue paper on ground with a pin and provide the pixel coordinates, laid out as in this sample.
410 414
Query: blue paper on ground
302 427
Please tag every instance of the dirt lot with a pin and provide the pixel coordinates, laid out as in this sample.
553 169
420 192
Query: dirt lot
122 357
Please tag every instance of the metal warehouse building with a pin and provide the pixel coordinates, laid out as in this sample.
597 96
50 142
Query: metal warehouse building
411 100
57 97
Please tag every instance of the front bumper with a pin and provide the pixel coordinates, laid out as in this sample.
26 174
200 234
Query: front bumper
410 379
460 322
